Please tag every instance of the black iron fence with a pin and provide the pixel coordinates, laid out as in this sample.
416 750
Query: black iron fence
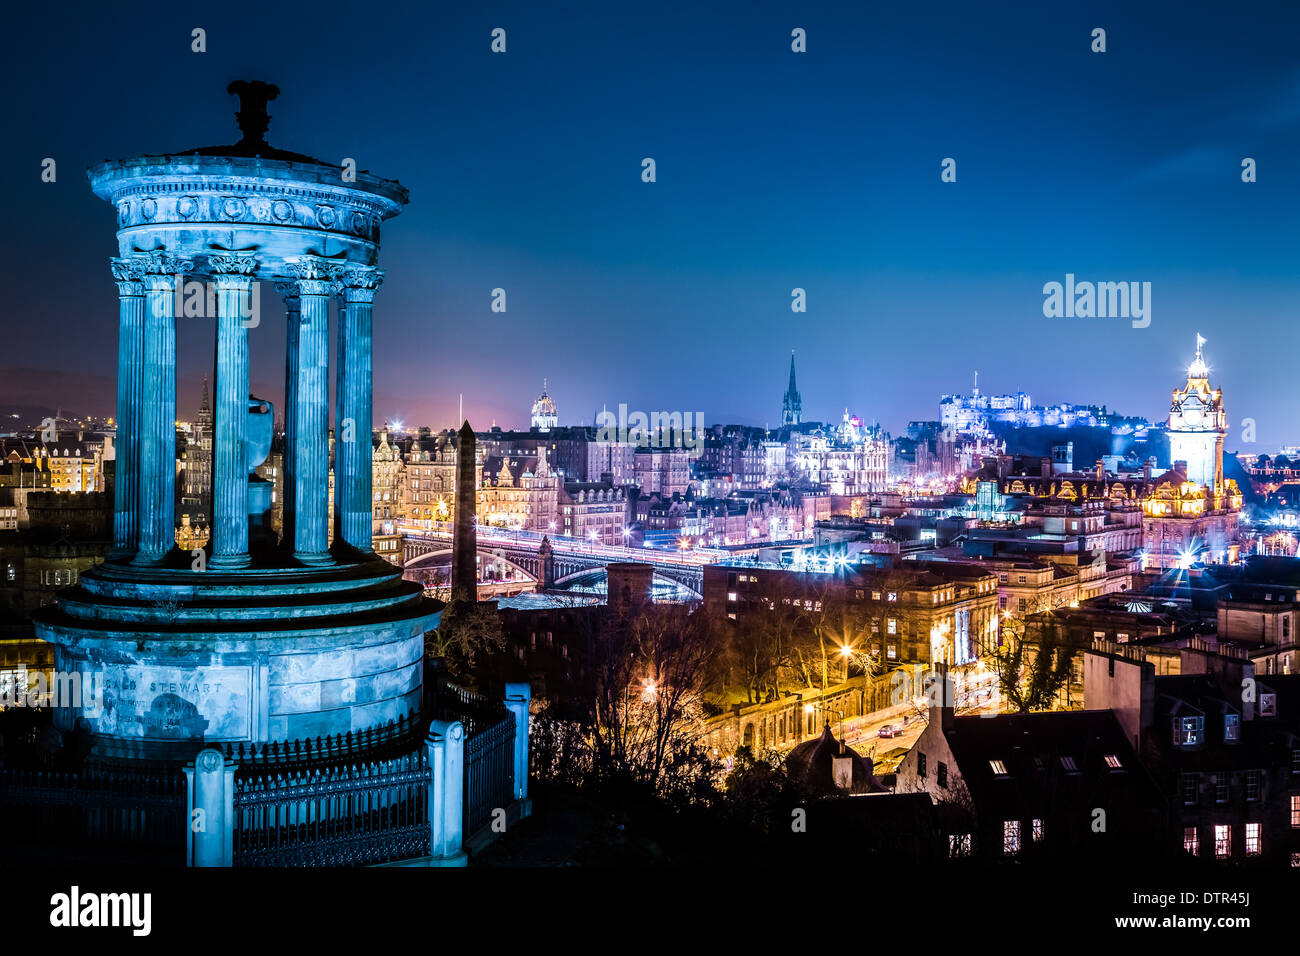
489 773
489 746
347 814
348 800
105 813
395 738
345 800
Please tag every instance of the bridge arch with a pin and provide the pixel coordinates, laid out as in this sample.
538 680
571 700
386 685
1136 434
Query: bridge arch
597 572
442 557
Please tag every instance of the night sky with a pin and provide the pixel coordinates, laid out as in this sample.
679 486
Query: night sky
775 170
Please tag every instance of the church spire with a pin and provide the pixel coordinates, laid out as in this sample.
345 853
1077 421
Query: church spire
792 406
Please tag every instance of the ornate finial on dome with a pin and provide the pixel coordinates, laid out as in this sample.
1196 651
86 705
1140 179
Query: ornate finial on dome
252 115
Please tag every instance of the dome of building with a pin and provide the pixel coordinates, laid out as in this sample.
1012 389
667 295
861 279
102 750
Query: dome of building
545 416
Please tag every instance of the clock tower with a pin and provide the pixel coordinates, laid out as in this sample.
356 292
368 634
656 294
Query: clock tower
1197 426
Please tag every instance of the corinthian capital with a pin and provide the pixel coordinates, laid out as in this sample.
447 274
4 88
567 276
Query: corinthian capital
288 288
127 273
232 271
313 275
359 283
159 262
226 263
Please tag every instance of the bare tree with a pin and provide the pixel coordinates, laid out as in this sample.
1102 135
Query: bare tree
1032 672
465 633
650 668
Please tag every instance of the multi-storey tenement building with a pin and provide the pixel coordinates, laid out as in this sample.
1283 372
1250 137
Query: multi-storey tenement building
195 480
594 511
526 503
664 471
1257 611
1185 523
1026 787
387 480
858 465
1223 745
615 459
429 493
934 615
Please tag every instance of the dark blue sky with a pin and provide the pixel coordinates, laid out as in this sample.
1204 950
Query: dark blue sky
775 170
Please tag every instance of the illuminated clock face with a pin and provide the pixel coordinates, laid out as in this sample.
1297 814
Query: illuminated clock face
1192 415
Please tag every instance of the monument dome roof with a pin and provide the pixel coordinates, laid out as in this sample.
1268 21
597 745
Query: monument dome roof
251 156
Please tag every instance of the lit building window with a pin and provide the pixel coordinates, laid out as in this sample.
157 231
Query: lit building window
1188 730
1253 839
1038 831
1192 841
1295 812
959 844
1010 837
998 767
1112 761
1231 726
1222 841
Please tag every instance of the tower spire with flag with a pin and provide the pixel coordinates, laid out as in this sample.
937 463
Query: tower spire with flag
1198 368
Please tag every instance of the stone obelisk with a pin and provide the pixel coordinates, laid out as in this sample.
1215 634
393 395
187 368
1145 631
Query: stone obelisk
464 543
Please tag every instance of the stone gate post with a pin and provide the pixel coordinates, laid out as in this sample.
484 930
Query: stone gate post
210 820
517 698
446 743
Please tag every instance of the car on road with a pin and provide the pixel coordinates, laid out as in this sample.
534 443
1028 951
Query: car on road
888 730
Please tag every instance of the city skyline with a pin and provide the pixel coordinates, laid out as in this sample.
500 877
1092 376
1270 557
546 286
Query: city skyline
751 439
764 184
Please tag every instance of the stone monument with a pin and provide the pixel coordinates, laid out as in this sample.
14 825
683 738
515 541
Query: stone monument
254 640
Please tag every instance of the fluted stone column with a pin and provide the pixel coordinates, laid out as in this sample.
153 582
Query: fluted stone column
128 274
232 272
308 454
293 315
353 497
157 436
